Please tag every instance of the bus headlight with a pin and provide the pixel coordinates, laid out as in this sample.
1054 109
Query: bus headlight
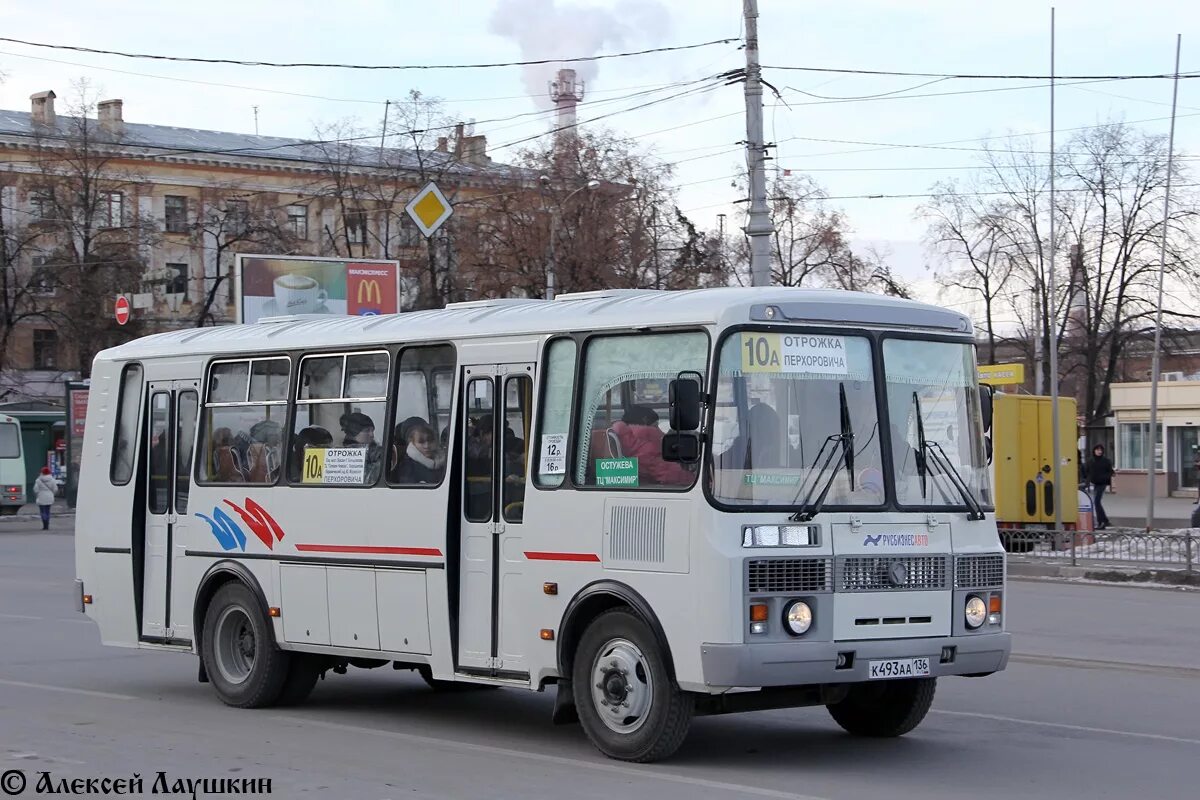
798 618
975 612
779 536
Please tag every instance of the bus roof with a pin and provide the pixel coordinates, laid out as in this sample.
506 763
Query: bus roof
615 309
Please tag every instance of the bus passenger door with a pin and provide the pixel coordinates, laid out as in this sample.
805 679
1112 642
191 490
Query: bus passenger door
497 402
170 435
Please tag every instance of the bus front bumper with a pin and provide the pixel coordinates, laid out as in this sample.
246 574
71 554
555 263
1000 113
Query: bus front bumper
806 663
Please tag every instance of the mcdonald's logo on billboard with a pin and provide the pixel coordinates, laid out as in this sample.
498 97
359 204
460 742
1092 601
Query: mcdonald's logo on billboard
371 289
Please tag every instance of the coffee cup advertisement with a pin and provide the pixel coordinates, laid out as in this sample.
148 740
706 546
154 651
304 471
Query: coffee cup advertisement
280 286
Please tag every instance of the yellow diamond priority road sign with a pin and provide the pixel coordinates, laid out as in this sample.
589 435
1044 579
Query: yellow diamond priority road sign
429 209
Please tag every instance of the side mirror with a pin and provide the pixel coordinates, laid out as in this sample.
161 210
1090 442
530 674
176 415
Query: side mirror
685 400
683 448
987 393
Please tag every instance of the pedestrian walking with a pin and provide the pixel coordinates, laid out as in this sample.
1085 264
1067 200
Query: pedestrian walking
1099 473
43 489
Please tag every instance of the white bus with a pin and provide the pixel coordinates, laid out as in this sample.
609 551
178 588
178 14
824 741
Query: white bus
12 465
665 503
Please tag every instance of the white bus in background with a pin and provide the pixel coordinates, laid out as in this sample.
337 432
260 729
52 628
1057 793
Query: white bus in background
664 503
12 465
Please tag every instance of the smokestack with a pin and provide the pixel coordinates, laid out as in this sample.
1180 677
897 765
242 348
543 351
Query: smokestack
458 140
566 92
42 108
443 145
110 115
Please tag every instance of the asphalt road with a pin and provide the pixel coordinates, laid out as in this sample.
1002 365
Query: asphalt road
1102 701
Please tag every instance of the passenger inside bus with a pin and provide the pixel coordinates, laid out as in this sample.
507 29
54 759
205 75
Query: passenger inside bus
359 430
262 454
639 436
306 438
225 467
424 460
757 447
479 467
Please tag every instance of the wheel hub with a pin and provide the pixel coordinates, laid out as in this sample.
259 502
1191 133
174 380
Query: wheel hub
622 687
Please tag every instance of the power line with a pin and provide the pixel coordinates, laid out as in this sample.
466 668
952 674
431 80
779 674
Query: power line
323 65
978 76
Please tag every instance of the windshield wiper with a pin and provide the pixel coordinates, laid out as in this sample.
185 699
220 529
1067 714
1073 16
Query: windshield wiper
808 508
947 468
931 451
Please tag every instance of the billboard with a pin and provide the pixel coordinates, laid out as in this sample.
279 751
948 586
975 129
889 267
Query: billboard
274 286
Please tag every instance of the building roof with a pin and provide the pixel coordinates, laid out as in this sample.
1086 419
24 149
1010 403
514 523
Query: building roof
617 309
166 140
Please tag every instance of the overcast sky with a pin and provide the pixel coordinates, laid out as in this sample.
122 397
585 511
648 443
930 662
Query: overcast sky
822 136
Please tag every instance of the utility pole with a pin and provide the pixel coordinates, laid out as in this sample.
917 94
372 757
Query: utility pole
383 133
759 227
1162 269
1056 473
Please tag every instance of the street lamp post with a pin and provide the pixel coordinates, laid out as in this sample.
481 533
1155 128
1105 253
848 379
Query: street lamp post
555 212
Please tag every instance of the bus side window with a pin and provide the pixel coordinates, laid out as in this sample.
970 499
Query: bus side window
558 379
518 400
125 436
245 405
339 420
618 443
417 451
480 447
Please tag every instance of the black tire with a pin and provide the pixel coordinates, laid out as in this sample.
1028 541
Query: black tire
885 709
264 665
303 674
662 724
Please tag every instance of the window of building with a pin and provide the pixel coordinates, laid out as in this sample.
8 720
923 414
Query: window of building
340 406
421 429
237 213
297 220
623 407
558 385
125 434
42 281
176 213
41 204
112 210
245 409
356 226
1133 446
178 284
45 348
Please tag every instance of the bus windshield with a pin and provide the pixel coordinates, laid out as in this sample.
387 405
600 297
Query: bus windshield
785 402
931 390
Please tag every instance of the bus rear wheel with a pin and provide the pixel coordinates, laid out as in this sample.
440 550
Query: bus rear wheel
885 709
241 659
627 700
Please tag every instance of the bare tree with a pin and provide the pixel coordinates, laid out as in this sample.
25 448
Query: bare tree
25 288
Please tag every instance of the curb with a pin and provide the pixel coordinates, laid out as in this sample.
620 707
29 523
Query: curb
35 517
1171 577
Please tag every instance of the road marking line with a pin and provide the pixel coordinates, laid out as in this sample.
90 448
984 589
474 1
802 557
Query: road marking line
504 752
1091 663
1068 727
67 689
19 616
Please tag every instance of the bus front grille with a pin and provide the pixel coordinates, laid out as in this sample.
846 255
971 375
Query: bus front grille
979 572
890 573
788 575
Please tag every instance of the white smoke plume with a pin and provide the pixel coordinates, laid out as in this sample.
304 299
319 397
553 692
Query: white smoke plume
550 29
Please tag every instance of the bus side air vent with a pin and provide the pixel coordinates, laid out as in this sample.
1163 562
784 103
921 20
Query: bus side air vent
648 535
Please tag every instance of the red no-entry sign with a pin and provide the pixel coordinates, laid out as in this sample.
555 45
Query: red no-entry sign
121 309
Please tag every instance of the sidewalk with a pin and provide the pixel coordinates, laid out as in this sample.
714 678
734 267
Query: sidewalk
1106 572
1125 511
29 511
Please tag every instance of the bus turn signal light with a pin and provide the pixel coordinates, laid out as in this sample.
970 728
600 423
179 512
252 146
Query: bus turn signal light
273 611
994 604
758 612
87 599
547 634
549 588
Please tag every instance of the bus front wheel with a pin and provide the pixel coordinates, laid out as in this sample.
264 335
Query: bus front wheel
627 700
885 709
240 656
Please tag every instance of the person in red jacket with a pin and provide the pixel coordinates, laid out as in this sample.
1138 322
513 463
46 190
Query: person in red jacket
641 438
